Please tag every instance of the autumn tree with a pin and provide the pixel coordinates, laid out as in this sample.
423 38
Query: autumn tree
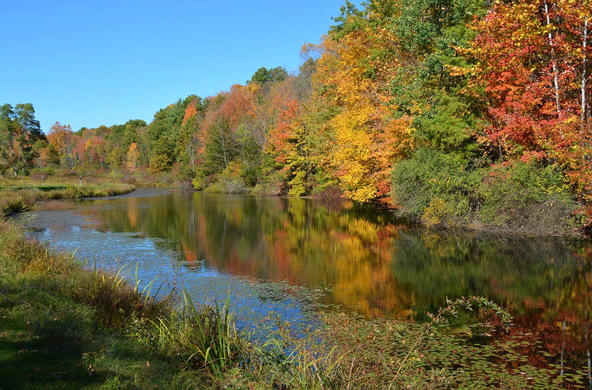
359 58
533 66
60 138
132 157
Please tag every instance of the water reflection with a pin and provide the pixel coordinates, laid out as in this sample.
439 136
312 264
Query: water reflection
360 258
345 248
370 262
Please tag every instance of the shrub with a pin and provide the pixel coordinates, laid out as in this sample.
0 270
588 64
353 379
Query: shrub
184 172
159 163
115 175
273 183
438 212
197 182
526 195
437 182
229 181
443 189
18 202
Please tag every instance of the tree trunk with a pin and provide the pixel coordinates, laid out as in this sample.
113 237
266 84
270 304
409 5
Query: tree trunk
584 75
554 62
224 150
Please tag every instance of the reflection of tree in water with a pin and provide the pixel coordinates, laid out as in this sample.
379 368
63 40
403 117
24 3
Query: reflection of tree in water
367 261
346 248
514 272
545 283
376 266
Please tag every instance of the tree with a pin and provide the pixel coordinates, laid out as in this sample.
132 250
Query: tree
19 130
359 60
220 148
60 137
132 157
8 135
273 75
29 126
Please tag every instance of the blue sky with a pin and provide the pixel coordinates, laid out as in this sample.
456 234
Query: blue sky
89 63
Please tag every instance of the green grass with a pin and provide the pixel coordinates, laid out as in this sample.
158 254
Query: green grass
40 187
64 326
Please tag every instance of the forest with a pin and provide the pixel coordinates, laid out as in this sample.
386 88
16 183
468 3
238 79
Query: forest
454 112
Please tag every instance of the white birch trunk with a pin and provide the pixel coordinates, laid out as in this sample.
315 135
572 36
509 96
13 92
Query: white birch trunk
554 62
584 74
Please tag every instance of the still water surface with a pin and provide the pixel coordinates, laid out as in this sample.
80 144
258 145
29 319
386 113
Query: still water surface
289 257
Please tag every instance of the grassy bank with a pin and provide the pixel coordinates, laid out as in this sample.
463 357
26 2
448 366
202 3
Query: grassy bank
21 196
66 327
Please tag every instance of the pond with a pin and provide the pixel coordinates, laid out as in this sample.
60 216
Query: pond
278 257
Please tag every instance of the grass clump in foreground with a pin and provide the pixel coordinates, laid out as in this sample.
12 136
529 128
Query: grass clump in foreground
16 199
67 327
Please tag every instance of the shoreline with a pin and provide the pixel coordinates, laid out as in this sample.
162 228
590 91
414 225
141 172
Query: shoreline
67 324
32 199
476 227
14 200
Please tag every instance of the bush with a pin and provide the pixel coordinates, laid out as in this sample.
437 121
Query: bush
115 175
526 196
159 163
438 211
443 189
184 172
229 181
437 182
13 203
272 183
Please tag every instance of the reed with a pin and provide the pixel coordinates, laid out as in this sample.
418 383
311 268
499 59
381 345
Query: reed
202 337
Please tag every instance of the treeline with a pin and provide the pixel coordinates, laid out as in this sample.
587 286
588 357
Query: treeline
465 111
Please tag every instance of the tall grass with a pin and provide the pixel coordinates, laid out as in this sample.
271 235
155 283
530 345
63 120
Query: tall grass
294 361
16 203
114 300
202 337
360 354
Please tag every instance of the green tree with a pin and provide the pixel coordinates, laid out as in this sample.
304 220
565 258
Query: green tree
220 149
19 130
273 75
249 154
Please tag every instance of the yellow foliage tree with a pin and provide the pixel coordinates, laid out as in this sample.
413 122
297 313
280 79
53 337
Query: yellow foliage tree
366 137
132 157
